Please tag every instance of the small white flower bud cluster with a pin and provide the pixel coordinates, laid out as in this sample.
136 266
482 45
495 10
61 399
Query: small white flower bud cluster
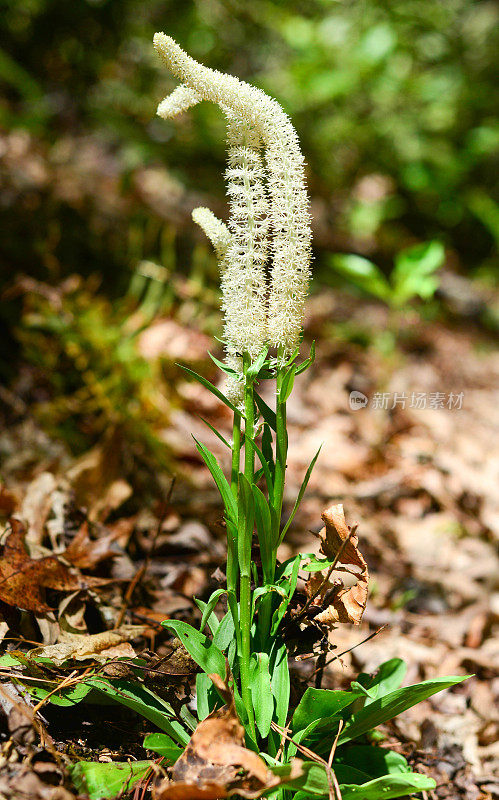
178 101
256 311
216 230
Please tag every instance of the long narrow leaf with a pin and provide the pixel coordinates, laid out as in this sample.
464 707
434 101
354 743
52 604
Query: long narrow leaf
388 786
211 620
267 450
287 384
98 781
217 433
264 529
388 706
163 745
280 612
261 692
222 366
300 494
263 461
212 389
254 369
317 704
200 648
265 410
210 605
279 680
308 361
225 632
314 782
219 478
143 702
246 516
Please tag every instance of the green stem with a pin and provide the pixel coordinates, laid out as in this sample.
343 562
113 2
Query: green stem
232 562
236 452
245 535
281 451
277 501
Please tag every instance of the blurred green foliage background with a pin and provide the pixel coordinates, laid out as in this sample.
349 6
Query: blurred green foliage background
394 102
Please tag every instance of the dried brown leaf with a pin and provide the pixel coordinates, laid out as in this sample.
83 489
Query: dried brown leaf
86 553
344 593
215 763
96 647
24 579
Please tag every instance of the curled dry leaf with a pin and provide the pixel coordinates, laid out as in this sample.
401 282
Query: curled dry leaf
96 647
24 579
344 592
86 553
216 764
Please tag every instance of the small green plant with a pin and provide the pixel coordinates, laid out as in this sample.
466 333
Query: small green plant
413 274
245 733
412 277
98 383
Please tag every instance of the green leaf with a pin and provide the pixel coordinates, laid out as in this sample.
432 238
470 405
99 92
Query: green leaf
220 479
308 361
421 259
206 696
312 781
161 744
388 677
212 389
314 777
210 605
413 270
225 632
388 786
287 384
266 412
143 702
8 660
326 728
316 783
388 706
66 697
264 528
281 610
217 433
300 494
246 516
279 680
315 564
99 780
200 648
318 703
211 619
228 370
263 461
376 761
267 450
254 368
363 273
261 692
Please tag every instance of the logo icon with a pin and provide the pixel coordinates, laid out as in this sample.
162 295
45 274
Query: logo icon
357 400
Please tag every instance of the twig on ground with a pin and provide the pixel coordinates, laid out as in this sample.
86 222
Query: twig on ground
349 650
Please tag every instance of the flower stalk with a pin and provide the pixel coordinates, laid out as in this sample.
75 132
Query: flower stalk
264 256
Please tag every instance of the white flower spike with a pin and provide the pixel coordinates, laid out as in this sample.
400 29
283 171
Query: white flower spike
255 314
216 230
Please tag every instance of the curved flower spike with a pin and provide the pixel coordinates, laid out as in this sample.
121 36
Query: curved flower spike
289 214
178 101
216 230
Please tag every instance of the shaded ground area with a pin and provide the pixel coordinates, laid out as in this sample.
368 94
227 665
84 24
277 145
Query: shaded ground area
420 481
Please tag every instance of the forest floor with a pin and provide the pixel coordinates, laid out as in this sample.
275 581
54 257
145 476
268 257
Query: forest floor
416 466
